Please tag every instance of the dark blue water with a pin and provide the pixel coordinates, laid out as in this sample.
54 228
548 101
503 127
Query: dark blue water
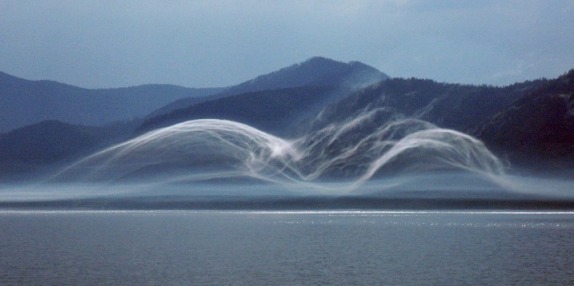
286 248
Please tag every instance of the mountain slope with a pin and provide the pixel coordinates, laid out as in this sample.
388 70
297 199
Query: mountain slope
539 126
317 71
274 111
317 82
454 106
24 102
531 124
49 142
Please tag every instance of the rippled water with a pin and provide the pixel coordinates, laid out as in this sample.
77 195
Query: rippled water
288 248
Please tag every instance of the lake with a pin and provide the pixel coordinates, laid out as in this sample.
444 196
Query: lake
340 247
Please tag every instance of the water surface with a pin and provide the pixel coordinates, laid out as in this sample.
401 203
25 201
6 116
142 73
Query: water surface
286 248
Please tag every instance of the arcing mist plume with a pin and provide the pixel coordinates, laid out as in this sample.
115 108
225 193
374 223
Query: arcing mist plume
215 150
194 150
315 129
353 151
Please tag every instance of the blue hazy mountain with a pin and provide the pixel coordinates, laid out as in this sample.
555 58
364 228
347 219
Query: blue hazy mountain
316 71
270 102
24 102
49 142
454 106
529 123
275 111
341 117
539 127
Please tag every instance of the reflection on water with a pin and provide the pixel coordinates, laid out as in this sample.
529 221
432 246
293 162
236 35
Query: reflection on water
311 247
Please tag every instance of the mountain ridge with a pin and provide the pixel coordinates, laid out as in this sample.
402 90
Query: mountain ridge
24 102
273 110
529 122
316 71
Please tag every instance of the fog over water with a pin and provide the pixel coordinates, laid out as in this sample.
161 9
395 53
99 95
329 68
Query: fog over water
220 158
210 149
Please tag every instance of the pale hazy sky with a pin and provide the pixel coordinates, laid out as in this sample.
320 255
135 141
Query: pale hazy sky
218 43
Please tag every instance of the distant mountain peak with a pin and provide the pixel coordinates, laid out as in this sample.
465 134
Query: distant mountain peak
25 102
322 61
315 71
319 61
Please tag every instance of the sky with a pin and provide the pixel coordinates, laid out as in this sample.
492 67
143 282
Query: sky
215 43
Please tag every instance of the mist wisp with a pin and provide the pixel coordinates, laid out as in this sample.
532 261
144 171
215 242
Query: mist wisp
338 159
218 160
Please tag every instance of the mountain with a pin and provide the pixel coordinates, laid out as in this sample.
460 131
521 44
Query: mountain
317 71
275 111
454 106
49 142
273 102
539 126
531 124
24 102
